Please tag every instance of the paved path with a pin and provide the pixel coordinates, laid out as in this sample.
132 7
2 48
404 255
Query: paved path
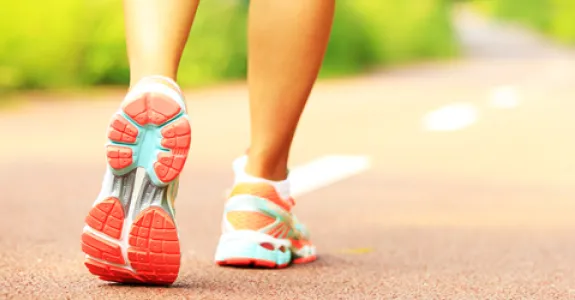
485 211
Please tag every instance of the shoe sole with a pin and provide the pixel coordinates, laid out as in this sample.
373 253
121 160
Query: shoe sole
130 234
251 249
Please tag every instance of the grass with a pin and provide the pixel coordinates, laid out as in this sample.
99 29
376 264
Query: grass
69 43
555 18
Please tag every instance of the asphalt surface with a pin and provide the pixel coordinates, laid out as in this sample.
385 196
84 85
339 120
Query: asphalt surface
485 212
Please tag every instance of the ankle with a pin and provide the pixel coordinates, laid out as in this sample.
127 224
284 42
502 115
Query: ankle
168 81
242 176
266 168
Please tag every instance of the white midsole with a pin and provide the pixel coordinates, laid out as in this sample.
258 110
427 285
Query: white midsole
253 237
236 237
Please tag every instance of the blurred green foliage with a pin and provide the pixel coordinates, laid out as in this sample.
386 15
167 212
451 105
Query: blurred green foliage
81 43
553 17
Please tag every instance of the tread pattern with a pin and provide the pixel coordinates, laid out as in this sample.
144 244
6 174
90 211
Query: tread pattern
250 263
101 249
121 131
119 157
107 217
154 253
152 108
152 112
111 273
155 249
150 132
177 137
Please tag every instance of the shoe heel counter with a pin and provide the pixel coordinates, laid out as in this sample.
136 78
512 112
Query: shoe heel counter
248 220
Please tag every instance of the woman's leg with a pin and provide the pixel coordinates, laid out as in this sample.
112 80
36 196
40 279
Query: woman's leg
287 42
130 233
156 34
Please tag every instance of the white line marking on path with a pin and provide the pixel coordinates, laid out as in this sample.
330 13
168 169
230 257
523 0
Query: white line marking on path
504 97
324 171
452 117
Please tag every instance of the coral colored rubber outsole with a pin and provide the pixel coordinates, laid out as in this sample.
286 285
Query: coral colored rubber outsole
250 263
150 132
131 239
304 260
258 263
153 252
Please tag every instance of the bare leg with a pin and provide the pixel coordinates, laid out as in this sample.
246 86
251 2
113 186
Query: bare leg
287 42
156 34
152 116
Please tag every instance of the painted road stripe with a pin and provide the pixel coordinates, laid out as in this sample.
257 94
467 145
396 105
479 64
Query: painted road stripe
452 117
504 97
323 172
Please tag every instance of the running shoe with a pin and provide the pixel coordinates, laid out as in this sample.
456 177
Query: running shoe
259 228
130 234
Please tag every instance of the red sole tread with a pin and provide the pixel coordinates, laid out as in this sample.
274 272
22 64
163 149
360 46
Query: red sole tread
153 255
157 110
250 262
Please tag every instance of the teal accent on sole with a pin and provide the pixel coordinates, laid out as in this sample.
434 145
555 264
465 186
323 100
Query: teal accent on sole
146 148
243 249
